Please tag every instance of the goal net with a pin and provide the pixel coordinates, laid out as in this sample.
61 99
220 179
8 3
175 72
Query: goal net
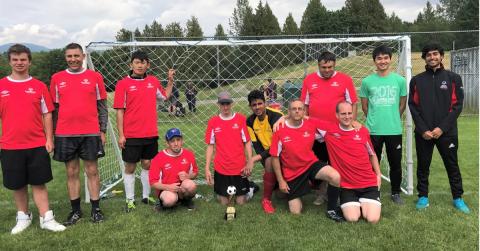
237 66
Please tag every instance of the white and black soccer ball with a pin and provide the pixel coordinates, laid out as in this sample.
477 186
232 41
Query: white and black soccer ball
231 190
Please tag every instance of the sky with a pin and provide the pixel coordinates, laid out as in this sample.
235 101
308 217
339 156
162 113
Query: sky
55 23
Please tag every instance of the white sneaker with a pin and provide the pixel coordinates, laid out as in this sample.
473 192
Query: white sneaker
23 221
48 222
249 195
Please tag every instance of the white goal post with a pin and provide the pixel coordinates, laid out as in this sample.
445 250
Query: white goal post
238 66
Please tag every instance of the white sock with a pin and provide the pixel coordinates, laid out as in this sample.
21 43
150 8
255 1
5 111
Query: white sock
129 182
145 183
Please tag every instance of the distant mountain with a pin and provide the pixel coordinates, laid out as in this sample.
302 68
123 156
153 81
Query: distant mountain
33 47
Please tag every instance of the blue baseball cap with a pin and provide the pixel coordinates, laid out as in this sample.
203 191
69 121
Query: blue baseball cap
173 132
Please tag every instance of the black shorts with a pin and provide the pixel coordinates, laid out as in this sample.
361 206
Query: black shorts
84 147
25 166
353 197
301 184
222 182
139 148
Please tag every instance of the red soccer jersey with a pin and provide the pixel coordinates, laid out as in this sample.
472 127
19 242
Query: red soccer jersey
77 95
139 99
294 146
349 152
229 137
322 95
22 104
165 167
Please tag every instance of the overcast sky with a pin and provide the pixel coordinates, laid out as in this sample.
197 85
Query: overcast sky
54 23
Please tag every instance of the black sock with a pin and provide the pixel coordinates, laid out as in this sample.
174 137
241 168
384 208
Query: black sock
95 204
75 205
332 194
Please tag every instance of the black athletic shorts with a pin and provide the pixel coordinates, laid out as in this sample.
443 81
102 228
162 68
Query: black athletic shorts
301 185
25 166
139 148
84 147
353 197
222 182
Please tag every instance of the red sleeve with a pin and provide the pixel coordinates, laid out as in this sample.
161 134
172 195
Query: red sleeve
368 143
119 100
245 134
154 172
101 92
303 95
161 94
350 92
47 105
209 134
194 164
274 147
53 89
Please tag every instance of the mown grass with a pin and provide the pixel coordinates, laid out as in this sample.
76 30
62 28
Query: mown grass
440 227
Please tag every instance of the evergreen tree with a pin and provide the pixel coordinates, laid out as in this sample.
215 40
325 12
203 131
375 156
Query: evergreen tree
219 32
157 29
123 35
270 26
137 34
193 28
241 12
290 26
315 18
173 30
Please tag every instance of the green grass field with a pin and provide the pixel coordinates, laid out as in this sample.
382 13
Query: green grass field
440 227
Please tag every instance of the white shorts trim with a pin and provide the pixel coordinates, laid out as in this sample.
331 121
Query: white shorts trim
365 200
350 204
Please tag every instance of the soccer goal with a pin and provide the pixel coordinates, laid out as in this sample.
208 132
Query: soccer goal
237 66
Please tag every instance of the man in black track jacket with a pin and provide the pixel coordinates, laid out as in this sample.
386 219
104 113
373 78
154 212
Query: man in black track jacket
435 102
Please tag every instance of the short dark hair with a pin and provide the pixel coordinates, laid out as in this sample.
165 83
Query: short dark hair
73 46
337 107
140 55
432 47
295 100
255 94
327 57
17 49
382 49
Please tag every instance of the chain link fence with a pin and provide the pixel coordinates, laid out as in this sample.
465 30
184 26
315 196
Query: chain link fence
465 63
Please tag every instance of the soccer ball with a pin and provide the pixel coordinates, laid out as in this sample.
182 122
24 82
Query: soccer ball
231 190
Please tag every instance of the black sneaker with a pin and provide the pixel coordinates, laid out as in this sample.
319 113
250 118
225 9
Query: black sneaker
188 203
149 201
335 215
397 199
73 217
158 207
97 215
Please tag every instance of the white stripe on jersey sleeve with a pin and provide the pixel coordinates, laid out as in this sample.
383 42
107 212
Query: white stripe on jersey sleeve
97 91
57 97
160 96
190 170
307 98
160 176
279 149
212 137
320 135
348 98
125 99
369 149
43 105
244 138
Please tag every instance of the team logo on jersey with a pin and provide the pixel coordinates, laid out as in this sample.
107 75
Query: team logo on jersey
133 88
149 85
444 86
235 126
306 134
184 161
167 166
334 84
314 86
357 137
287 139
85 82
217 129
5 93
62 84
30 90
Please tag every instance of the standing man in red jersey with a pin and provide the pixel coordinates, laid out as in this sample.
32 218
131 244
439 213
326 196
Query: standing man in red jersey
172 173
80 122
135 100
227 136
321 91
27 138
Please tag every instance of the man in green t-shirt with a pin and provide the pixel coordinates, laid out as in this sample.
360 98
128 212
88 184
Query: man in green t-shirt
383 95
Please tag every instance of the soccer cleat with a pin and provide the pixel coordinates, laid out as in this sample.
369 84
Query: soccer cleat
335 215
23 222
148 201
459 204
422 203
129 206
188 203
250 193
267 206
397 199
320 200
97 215
73 218
158 206
48 222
